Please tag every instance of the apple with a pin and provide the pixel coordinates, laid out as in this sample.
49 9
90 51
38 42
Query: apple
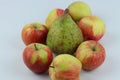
54 14
37 57
92 27
91 54
34 33
78 10
65 67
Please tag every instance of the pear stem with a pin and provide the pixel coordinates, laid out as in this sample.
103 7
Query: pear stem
66 11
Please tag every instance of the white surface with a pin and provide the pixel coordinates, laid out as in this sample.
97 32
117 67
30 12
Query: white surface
14 14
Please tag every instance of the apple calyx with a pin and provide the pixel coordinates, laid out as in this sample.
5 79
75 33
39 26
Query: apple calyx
36 47
94 48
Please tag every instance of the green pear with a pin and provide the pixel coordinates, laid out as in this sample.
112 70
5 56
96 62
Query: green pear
64 35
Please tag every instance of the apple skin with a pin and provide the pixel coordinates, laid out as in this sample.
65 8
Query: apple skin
78 10
54 14
65 67
37 57
34 33
91 54
92 27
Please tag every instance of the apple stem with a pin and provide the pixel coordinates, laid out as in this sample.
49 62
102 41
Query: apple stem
52 66
35 47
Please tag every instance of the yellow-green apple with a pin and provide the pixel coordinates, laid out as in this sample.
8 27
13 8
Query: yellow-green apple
91 54
92 27
34 33
78 10
55 13
65 67
37 57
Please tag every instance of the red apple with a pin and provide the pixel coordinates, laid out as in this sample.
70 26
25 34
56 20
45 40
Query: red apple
65 67
91 54
37 57
79 9
54 14
34 33
92 27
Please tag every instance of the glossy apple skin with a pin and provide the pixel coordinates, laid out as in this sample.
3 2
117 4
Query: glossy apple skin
92 27
34 33
65 67
54 14
91 54
78 10
37 61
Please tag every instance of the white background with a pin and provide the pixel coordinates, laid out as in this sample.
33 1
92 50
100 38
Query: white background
14 14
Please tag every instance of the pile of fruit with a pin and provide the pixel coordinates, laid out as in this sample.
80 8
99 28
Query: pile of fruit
72 35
